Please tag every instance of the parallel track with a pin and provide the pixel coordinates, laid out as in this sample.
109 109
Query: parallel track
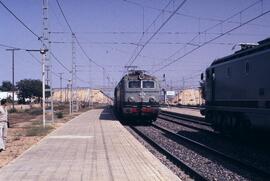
221 155
184 124
192 119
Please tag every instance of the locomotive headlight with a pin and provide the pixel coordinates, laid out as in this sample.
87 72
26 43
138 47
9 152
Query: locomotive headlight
152 99
131 99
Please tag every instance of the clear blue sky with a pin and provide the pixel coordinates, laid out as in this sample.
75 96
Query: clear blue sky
110 29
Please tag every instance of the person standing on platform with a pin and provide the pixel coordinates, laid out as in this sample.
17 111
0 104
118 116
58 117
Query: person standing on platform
3 125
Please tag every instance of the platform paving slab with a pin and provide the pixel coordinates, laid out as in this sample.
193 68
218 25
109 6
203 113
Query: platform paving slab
93 146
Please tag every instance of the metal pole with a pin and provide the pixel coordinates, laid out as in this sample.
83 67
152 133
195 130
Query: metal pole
90 92
70 97
183 81
71 90
66 93
13 74
72 71
43 59
74 91
165 88
61 95
43 87
43 53
13 80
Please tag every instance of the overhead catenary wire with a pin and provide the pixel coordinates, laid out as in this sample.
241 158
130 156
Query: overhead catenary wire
76 39
27 27
133 43
149 43
156 32
59 62
211 40
168 11
143 34
212 27
35 34
56 17
38 61
160 33
188 15
7 46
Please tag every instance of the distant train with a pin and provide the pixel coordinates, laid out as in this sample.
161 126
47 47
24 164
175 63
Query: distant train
237 89
137 97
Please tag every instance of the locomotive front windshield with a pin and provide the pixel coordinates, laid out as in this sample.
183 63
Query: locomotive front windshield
141 84
148 84
134 84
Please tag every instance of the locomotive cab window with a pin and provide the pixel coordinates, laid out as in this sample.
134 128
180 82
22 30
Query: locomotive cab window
148 84
134 84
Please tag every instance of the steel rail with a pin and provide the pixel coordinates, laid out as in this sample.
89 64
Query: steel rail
235 161
173 115
187 125
170 156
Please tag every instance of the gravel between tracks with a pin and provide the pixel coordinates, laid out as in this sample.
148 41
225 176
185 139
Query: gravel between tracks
249 155
210 166
196 125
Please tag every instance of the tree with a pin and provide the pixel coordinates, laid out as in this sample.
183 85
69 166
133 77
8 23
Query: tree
6 86
29 88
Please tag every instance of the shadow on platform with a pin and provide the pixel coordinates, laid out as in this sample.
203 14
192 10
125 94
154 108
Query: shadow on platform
107 115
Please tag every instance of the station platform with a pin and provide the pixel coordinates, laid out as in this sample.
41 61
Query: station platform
93 146
182 110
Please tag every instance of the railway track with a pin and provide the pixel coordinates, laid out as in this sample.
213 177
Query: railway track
195 172
189 118
223 156
183 121
253 139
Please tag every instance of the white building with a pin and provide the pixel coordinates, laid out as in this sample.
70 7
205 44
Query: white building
5 95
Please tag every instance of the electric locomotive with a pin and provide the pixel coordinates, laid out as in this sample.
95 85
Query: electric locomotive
137 96
237 89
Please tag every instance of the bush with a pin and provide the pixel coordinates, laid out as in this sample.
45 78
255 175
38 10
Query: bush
38 130
3 101
12 110
36 111
21 101
17 136
59 115
60 107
